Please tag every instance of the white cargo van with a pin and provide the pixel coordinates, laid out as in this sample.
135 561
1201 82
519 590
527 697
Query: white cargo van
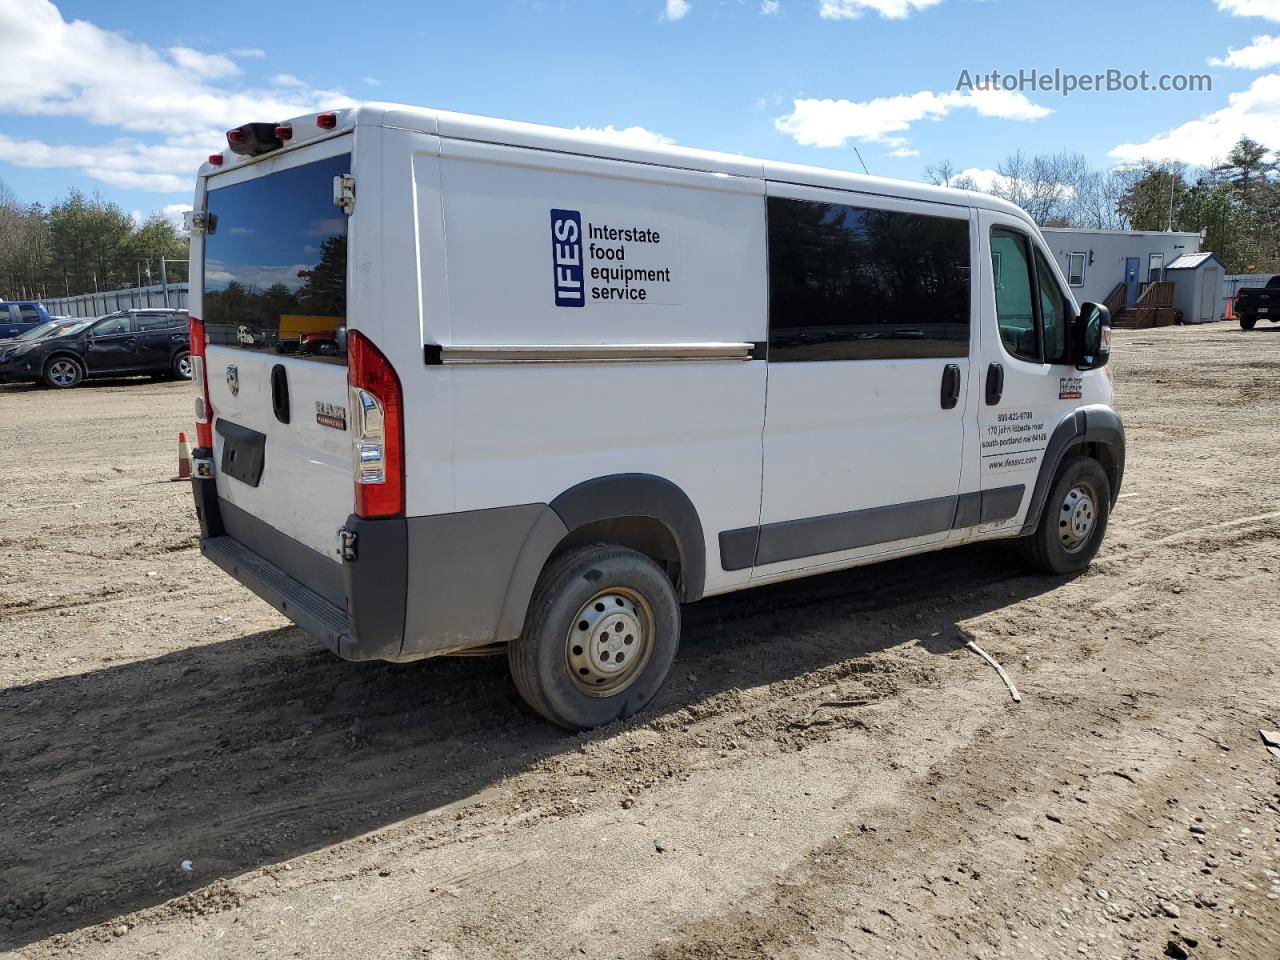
467 383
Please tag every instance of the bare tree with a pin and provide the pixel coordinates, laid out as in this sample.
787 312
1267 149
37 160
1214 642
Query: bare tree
944 174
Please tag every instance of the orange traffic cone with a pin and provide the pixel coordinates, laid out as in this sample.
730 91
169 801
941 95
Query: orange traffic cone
184 458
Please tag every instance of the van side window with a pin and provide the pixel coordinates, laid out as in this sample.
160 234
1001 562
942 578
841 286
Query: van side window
1015 310
852 283
1055 310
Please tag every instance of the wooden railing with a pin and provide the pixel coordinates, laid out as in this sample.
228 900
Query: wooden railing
1155 307
1158 294
1117 299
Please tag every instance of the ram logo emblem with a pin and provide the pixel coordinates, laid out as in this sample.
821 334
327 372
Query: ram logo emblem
233 379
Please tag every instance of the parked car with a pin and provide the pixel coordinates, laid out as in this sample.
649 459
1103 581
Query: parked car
19 316
1254 303
546 425
50 328
120 344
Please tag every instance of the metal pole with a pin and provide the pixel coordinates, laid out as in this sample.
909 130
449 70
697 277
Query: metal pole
1171 201
164 281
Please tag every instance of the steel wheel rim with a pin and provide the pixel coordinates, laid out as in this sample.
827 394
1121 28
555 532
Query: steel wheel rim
609 642
1077 518
62 372
184 367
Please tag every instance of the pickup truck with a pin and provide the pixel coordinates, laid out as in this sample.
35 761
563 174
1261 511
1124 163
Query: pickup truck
19 316
1255 302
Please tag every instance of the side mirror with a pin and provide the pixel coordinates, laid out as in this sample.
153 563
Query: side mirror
1093 337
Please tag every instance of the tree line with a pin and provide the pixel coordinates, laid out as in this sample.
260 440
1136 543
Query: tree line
1235 203
82 243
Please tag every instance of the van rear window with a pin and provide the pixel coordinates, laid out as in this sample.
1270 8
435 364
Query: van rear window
275 263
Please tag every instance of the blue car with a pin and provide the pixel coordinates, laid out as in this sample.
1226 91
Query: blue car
19 316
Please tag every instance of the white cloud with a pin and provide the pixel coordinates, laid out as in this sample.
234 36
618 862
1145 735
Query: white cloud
984 178
1263 52
768 7
287 80
1254 112
676 9
852 9
371 81
832 123
248 53
1267 9
903 152
129 164
174 213
209 65
74 68
633 136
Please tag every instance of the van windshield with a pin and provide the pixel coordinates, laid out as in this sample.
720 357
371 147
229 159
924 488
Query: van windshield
275 263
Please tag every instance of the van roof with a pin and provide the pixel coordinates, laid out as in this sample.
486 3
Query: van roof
538 136
464 126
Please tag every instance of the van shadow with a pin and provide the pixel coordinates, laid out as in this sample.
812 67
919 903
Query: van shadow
242 753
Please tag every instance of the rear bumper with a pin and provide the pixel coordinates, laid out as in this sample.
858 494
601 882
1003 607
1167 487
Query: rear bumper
472 574
356 609
313 613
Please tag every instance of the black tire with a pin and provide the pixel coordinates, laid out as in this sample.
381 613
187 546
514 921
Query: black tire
1079 497
63 372
631 601
1248 323
181 366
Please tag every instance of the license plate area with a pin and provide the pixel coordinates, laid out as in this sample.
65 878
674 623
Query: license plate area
243 452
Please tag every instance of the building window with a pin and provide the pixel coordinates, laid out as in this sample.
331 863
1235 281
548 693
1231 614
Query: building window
852 283
1155 269
1075 269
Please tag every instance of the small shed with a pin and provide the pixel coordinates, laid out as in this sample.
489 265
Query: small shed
1197 280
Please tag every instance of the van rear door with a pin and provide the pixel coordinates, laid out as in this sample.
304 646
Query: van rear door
275 315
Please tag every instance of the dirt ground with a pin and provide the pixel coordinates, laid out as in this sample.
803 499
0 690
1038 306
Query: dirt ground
828 773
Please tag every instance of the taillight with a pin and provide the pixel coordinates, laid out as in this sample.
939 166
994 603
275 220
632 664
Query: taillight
204 411
377 429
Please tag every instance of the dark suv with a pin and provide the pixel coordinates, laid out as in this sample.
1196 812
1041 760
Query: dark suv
119 344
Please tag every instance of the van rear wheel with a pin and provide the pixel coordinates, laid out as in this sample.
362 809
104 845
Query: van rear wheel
1247 323
1074 519
602 629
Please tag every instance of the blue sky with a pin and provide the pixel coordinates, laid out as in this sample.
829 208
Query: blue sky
127 98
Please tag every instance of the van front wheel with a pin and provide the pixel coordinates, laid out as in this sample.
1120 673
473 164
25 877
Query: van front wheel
602 628
1074 520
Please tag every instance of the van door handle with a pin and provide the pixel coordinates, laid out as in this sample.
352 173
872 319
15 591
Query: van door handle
280 392
995 384
950 386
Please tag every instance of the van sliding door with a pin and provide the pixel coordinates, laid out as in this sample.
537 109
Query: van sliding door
868 372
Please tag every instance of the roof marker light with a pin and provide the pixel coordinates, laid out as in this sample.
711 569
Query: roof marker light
215 159
327 121
284 132
237 136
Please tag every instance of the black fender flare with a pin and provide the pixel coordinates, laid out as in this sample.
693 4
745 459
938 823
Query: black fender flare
1094 423
642 495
